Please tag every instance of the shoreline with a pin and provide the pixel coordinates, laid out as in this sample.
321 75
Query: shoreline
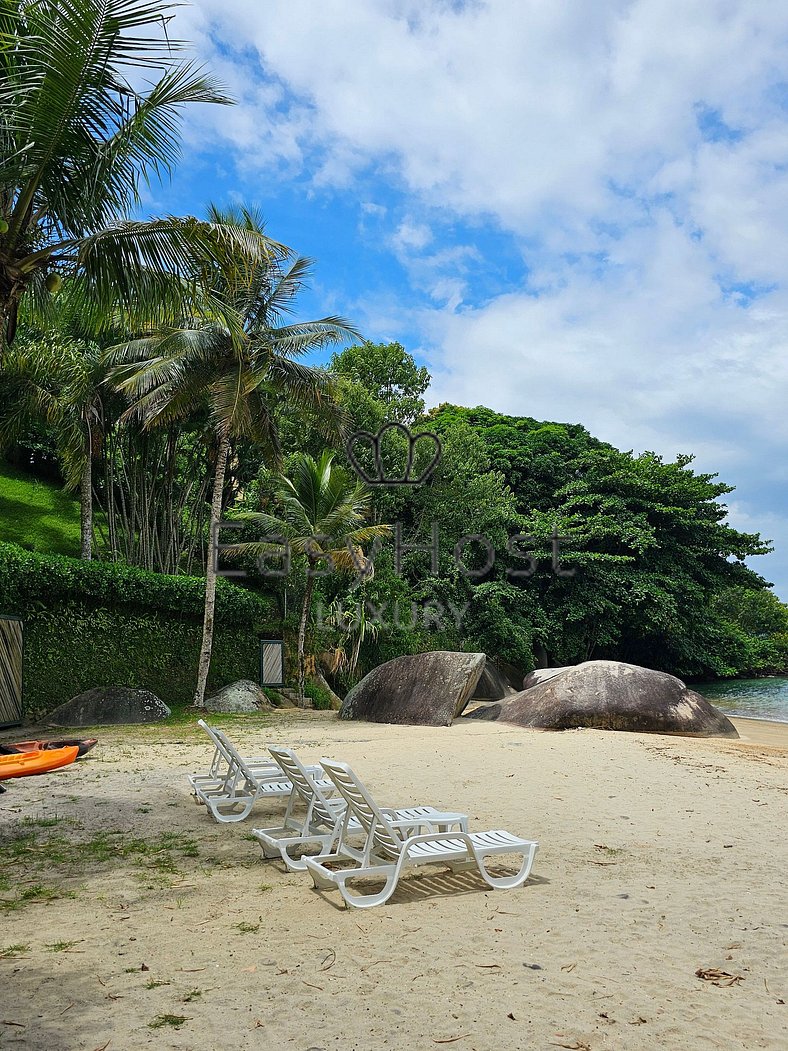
770 733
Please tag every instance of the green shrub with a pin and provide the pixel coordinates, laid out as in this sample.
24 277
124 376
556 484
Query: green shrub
28 580
320 697
97 624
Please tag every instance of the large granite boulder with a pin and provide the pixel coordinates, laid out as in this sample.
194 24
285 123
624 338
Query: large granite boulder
533 678
492 686
609 695
428 689
238 698
108 706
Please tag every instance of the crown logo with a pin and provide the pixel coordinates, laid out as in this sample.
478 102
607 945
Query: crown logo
366 440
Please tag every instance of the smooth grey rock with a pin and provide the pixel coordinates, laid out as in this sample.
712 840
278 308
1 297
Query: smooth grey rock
492 686
238 698
610 695
110 706
427 689
533 678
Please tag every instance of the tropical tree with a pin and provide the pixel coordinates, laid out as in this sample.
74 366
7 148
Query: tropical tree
381 382
79 139
59 382
356 625
322 511
236 357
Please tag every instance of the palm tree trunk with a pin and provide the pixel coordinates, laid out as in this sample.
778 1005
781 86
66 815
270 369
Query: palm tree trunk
210 571
86 509
310 585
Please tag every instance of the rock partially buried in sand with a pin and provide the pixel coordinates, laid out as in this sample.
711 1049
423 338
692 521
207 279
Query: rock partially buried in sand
242 697
609 695
110 706
423 689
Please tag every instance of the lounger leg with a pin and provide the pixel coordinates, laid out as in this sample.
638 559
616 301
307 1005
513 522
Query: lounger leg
322 882
269 852
246 809
366 901
339 879
297 864
507 882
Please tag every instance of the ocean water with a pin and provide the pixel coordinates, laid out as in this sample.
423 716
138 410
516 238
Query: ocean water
752 698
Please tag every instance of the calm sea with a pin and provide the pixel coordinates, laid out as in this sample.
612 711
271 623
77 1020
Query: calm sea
752 698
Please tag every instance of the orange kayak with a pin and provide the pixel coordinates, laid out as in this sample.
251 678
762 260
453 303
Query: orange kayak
39 762
84 744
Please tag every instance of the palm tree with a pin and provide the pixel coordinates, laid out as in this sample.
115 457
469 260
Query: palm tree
236 355
60 382
78 140
356 625
322 514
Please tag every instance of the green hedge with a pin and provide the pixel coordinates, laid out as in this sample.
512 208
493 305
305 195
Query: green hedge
97 624
27 579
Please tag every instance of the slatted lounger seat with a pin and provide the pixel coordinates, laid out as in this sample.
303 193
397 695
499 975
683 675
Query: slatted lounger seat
389 848
325 816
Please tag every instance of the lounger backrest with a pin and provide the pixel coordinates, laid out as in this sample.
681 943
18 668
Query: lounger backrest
383 837
230 753
220 754
304 784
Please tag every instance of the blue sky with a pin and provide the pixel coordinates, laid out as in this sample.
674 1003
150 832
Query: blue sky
571 211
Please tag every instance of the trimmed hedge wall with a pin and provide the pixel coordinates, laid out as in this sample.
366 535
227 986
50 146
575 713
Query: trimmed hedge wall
100 624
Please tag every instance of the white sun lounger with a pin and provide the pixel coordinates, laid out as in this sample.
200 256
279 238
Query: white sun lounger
389 847
324 817
231 797
221 763
223 766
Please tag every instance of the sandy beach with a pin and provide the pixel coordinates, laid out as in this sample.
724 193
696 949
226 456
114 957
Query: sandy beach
128 911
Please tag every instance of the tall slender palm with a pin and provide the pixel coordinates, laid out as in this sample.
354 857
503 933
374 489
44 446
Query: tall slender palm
323 511
60 382
236 354
79 138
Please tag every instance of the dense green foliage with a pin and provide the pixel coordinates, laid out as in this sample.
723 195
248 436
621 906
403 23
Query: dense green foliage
587 551
72 647
380 383
645 570
28 580
97 624
645 541
757 630
321 514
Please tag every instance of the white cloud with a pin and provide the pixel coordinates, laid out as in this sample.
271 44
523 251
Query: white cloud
505 108
411 235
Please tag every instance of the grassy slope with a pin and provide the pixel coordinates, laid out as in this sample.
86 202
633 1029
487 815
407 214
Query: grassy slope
37 515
